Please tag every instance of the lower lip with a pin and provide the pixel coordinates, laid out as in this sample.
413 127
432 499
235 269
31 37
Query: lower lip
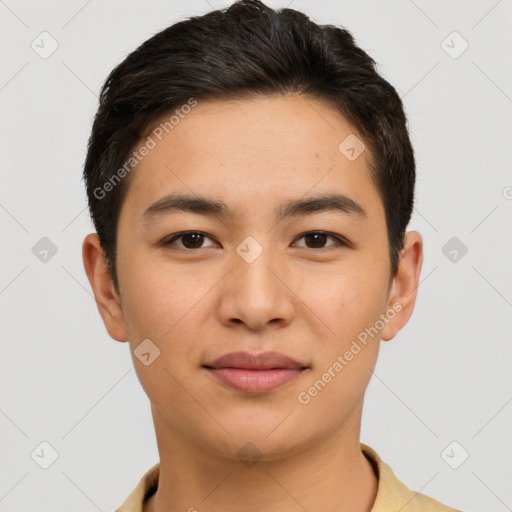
255 381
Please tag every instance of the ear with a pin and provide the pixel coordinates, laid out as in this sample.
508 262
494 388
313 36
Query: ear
405 284
107 299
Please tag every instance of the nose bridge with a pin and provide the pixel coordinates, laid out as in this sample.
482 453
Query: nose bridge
253 264
254 293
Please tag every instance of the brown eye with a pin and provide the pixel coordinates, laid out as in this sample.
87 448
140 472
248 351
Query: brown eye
317 240
192 240
189 240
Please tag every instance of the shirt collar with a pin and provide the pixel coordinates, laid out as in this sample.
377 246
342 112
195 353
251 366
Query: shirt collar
392 494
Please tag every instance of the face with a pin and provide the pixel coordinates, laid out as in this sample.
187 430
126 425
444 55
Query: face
287 253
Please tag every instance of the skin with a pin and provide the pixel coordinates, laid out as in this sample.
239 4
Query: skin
306 301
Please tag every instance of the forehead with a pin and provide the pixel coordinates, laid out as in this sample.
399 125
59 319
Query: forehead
250 151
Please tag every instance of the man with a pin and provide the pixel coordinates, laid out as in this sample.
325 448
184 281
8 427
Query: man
250 177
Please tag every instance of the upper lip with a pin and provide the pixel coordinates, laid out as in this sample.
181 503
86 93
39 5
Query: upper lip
263 361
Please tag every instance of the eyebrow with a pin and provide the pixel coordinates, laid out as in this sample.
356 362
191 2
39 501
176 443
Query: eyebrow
206 206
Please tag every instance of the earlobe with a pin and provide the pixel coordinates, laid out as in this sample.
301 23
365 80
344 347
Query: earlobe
100 279
404 289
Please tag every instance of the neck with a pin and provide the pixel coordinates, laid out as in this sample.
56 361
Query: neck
330 475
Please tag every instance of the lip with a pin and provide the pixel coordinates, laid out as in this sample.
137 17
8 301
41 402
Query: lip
255 373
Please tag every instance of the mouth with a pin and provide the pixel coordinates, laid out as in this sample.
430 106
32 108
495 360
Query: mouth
259 373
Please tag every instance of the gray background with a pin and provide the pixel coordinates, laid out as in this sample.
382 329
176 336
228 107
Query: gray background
445 378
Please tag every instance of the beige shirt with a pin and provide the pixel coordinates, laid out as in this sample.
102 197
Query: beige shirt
392 494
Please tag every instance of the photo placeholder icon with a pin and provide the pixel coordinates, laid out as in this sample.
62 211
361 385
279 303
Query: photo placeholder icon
44 455
249 250
454 45
454 249
44 250
455 455
44 45
249 454
147 352
351 147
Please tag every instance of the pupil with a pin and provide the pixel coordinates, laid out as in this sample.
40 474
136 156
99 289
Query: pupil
318 237
194 243
194 240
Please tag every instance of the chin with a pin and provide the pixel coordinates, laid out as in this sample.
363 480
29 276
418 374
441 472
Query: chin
258 439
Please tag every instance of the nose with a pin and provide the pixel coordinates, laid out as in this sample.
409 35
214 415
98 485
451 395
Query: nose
257 293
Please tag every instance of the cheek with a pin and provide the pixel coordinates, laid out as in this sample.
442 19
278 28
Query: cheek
145 301
347 302
155 297
346 357
161 308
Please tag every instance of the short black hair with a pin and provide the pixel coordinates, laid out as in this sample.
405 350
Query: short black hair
245 50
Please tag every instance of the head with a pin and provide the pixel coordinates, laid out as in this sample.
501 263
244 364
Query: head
275 148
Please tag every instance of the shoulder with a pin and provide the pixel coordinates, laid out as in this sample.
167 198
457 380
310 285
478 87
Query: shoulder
392 494
144 489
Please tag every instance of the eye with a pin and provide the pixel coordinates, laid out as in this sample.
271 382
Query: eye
190 240
317 239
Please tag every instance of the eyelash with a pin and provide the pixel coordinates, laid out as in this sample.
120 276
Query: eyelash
341 242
